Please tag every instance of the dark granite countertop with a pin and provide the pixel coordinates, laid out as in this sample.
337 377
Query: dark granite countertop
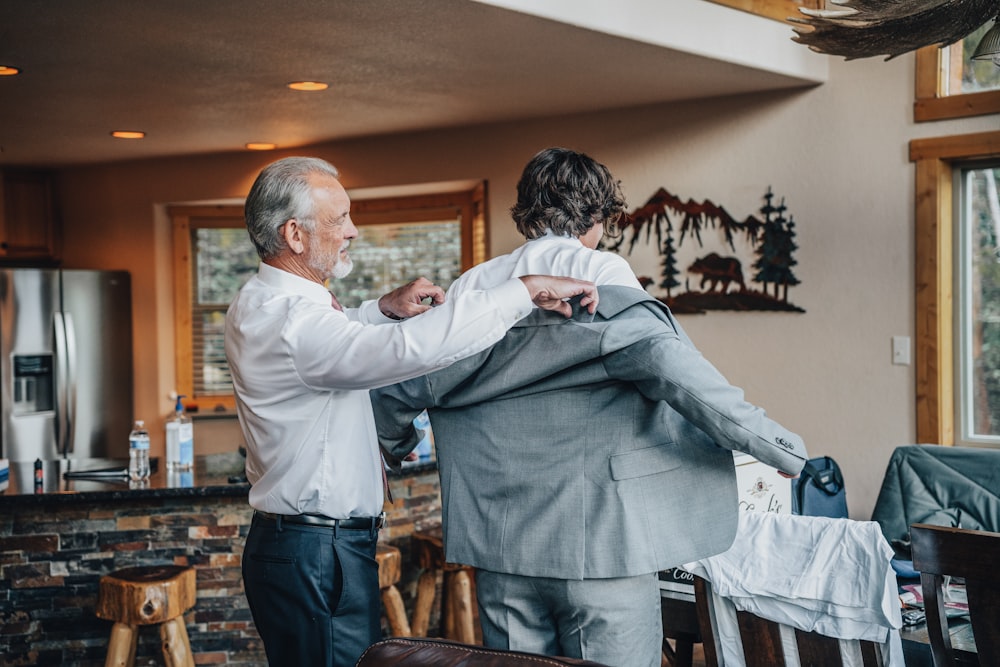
214 475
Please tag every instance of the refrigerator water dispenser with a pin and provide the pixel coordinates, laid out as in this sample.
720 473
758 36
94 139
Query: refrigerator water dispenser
33 384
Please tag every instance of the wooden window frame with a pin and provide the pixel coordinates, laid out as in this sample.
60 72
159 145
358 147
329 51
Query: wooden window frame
469 205
934 160
219 217
779 10
932 104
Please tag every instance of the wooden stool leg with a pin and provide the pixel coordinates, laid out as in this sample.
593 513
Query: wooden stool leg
135 645
426 585
395 612
447 606
121 646
176 646
461 599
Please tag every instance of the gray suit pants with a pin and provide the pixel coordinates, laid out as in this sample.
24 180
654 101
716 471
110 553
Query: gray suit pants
611 621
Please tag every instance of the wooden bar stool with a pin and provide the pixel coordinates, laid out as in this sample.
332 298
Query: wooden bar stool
389 564
458 603
152 595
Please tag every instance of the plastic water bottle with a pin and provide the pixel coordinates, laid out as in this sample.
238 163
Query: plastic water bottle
138 452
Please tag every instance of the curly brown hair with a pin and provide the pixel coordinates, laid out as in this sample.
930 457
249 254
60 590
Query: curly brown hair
568 192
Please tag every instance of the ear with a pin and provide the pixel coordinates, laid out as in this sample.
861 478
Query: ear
292 233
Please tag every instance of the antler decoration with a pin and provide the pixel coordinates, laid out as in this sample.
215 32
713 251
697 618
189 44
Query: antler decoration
865 28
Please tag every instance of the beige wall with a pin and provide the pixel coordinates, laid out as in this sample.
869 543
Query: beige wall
837 153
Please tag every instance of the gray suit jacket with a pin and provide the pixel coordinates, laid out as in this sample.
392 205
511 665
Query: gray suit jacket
591 447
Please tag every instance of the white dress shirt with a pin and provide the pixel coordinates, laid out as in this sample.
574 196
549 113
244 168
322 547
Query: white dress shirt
302 370
831 576
549 255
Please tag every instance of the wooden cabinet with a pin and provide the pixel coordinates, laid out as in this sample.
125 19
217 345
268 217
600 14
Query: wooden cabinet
28 221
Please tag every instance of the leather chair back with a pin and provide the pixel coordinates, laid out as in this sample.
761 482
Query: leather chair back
413 652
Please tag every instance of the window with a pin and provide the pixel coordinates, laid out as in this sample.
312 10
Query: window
936 160
977 287
387 255
437 236
951 85
213 257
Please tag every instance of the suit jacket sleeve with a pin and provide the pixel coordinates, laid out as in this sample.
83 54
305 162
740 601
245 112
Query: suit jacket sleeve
395 407
665 366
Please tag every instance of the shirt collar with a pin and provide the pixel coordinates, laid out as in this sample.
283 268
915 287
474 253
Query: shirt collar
551 235
289 282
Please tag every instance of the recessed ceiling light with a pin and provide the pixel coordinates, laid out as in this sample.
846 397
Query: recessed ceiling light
7 70
128 134
308 85
261 146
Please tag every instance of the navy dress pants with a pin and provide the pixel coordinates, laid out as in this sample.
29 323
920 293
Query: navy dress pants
313 592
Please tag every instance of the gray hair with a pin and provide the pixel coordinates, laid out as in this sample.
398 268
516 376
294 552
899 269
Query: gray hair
568 192
280 193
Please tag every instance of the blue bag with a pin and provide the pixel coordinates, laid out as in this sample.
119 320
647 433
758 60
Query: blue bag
819 490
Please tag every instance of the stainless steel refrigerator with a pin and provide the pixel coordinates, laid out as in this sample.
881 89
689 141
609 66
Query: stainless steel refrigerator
65 364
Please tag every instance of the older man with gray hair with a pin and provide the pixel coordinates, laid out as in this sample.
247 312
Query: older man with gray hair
302 367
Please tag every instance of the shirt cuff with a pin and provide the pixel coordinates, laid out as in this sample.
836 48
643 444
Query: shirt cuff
514 299
370 313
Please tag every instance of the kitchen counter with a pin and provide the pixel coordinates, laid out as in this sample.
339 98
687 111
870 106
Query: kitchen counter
56 545
215 475
75 480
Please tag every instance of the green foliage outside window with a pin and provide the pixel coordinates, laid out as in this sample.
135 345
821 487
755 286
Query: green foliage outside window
984 308
978 75
387 256
224 259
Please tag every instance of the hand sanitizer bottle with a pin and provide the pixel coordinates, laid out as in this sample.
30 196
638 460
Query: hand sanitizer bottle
173 433
180 439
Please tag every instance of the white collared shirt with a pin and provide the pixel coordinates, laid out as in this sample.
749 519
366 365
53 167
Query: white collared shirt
302 370
816 574
549 255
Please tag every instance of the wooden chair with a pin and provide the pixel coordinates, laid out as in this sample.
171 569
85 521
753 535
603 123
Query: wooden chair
680 623
761 639
974 555
459 613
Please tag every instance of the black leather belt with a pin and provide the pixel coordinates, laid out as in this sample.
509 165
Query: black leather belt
353 523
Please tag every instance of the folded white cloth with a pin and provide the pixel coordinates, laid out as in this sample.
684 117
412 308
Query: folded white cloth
831 576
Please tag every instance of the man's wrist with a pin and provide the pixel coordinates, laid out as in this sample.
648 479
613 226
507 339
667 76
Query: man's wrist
388 313
391 316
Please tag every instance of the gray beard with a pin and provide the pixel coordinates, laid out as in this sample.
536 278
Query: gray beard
341 268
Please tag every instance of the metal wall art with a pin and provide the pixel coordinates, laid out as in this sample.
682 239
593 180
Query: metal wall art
717 279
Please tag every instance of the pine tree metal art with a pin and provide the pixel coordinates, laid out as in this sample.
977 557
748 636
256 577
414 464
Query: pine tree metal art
714 281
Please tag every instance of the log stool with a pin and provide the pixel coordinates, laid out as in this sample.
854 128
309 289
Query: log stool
389 561
151 595
458 602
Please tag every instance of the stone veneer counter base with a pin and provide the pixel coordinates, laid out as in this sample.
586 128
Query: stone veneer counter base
56 545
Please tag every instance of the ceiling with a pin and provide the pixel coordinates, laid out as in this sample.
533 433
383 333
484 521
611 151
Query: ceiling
208 76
